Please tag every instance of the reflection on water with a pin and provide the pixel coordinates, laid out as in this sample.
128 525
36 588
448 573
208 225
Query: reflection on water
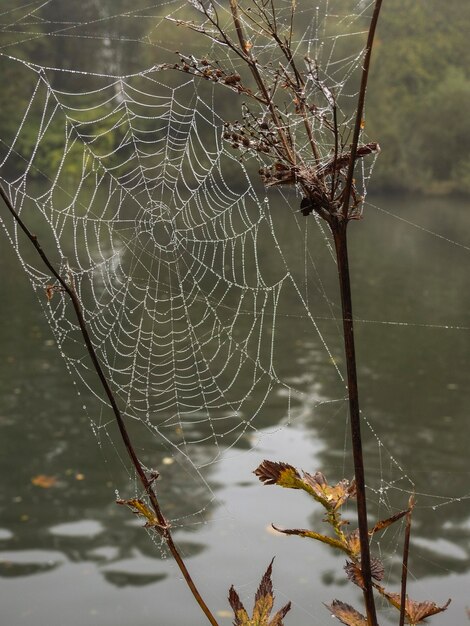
412 303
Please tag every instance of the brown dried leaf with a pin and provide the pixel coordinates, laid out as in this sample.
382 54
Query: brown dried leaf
354 572
376 568
387 522
241 616
282 474
44 481
415 612
280 615
353 542
419 611
342 160
346 614
332 496
264 600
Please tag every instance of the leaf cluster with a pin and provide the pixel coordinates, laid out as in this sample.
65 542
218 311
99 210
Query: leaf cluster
264 601
332 497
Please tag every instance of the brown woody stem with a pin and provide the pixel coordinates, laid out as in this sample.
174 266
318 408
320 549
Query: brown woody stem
69 289
339 229
360 106
287 144
404 568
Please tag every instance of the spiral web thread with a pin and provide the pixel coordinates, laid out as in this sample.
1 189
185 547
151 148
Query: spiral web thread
172 246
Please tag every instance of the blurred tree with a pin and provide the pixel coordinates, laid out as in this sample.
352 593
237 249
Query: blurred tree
417 98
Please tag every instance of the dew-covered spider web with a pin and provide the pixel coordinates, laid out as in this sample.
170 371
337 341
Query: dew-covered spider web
200 286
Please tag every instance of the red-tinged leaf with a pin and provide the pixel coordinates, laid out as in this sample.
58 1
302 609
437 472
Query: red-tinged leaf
264 600
419 611
415 612
311 534
285 475
354 572
280 615
282 474
377 568
346 614
387 522
241 616
266 585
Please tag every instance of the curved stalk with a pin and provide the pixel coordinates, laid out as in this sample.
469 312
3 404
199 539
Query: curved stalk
163 526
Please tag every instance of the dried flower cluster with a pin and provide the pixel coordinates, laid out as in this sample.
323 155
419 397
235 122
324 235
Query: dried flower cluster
293 124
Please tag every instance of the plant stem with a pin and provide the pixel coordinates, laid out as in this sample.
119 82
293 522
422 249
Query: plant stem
404 569
360 107
339 229
69 289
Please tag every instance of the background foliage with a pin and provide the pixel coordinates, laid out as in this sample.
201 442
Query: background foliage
417 101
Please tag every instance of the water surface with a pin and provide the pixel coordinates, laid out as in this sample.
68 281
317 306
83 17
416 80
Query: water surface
69 556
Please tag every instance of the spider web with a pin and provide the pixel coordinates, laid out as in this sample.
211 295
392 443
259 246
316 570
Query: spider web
160 236
173 245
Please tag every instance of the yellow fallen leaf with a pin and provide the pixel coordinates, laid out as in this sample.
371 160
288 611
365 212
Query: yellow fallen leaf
44 481
79 476
224 613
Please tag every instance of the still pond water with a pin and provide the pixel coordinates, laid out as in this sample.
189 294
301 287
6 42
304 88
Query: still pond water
70 557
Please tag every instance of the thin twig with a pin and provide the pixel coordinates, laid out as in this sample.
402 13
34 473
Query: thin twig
404 568
290 153
360 107
69 289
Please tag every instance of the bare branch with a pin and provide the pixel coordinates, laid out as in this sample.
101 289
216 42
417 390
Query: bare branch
360 106
159 520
